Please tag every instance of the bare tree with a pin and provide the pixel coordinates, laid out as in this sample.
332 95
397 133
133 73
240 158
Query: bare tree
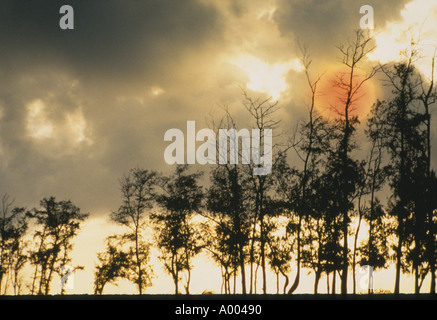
309 146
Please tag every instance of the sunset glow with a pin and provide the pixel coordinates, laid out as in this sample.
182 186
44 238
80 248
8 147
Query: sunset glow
330 100
416 29
266 78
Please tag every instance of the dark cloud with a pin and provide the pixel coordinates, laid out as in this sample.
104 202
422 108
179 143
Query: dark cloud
102 70
116 39
327 24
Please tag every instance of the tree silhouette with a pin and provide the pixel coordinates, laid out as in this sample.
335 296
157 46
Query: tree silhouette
310 144
374 251
280 243
59 223
177 237
341 166
402 131
13 226
427 95
138 196
113 264
263 115
226 202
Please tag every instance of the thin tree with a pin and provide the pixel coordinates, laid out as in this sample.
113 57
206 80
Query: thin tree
351 86
263 114
138 196
310 146
374 252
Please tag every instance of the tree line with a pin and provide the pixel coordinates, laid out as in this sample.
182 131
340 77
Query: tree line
308 213
54 225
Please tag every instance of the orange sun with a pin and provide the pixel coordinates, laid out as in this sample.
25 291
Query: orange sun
332 94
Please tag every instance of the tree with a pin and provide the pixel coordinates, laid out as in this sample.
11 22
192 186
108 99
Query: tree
13 227
222 247
59 223
428 96
403 134
345 170
177 237
113 264
248 192
374 251
138 196
227 202
262 113
280 243
310 144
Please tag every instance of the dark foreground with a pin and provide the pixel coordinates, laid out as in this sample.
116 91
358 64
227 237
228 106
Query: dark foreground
216 306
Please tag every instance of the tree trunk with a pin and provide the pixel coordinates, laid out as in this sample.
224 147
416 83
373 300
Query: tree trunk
398 257
416 279
345 258
286 281
355 252
138 262
316 282
333 282
243 271
263 258
297 278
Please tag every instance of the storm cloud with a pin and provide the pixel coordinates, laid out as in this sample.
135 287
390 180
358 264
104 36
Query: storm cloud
79 108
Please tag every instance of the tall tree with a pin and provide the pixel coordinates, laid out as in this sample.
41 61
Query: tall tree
428 96
255 187
177 237
138 196
405 130
227 202
311 144
60 222
375 251
341 165
263 114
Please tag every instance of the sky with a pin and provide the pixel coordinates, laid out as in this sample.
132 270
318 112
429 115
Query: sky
79 108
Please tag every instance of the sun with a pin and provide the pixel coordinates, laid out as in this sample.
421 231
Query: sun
265 77
417 28
331 98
